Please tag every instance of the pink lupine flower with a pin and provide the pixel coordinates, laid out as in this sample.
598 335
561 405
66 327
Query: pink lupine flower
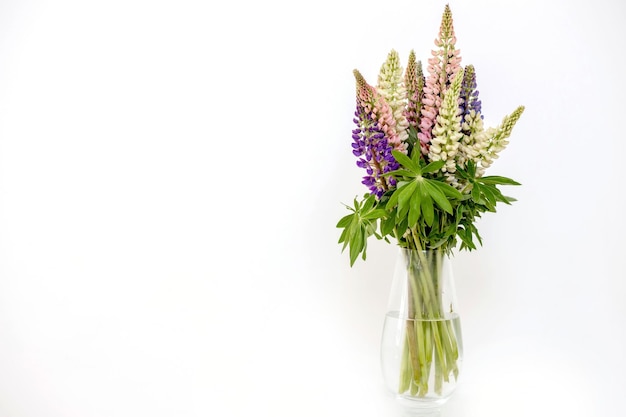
442 68
374 103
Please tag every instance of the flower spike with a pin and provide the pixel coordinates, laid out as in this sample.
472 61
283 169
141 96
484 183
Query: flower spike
391 88
469 94
447 130
414 82
442 68
371 139
497 139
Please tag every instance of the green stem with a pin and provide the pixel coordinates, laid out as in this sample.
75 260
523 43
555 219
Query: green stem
430 342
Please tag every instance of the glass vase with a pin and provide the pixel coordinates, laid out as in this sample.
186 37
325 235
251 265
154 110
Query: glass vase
421 347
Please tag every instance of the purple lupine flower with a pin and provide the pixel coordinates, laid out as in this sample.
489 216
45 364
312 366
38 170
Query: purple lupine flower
372 147
469 95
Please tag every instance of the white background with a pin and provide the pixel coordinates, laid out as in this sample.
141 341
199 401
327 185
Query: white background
171 173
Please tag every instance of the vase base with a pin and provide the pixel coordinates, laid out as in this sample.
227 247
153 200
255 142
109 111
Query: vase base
421 413
420 408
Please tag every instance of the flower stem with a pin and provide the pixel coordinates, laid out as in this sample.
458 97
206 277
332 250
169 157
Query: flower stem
430 344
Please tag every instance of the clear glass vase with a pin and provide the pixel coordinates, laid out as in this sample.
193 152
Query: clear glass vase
421 347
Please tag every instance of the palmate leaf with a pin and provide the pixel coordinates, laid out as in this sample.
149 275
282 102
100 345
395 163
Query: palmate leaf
359 225
416 199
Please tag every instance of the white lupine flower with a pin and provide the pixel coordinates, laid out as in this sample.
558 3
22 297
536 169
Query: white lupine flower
497 140
444 145
474 140
391 87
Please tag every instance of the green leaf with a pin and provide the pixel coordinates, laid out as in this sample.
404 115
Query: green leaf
467 241
387 224
498 195
368 203
405 195
476 194
466 238
438 196
342 238
402 213
347 236
475 232
393 200
345 221
446 188
463 174
401 226
374 214
400 173
471 169
427 208
433 167
416 157
357 243
489 196
494 179
355 227
414 209
406 162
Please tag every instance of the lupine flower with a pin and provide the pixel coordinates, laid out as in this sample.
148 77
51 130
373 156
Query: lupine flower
469 95
414 83
497 140
374 151
474 141
372 137
391 88
442 68
380 111
447 131
365 94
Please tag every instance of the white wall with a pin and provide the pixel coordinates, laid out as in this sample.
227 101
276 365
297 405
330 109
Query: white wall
170 178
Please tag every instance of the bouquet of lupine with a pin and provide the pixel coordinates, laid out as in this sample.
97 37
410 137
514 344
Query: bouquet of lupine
421 140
